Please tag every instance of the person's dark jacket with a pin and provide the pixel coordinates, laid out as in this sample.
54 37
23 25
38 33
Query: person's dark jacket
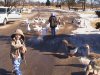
53 21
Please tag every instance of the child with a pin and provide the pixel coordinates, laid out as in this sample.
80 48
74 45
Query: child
17 50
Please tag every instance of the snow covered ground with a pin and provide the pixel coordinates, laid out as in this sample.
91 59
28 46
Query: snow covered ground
85 26
86 34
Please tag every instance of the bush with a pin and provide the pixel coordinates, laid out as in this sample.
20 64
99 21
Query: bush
58 5
97 25
48 3
98 13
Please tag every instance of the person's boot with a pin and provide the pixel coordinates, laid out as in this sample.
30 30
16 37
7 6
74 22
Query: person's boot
22 56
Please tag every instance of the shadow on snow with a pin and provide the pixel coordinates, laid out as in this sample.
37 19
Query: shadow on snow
55 45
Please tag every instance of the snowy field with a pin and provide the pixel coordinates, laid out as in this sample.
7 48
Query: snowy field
85 33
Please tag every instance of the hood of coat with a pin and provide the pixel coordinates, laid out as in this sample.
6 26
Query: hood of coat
53 14
20 32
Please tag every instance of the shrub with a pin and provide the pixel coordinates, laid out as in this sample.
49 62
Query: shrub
97 25
98 13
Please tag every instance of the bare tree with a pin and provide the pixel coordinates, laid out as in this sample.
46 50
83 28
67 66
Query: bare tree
83 4
92 4
70 3
1 3
5 2
10 2
23 2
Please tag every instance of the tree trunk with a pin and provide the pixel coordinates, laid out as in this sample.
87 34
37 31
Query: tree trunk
83 5
5 2
92 4
68 4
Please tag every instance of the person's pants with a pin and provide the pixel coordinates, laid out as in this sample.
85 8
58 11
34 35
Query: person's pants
16 65
53 32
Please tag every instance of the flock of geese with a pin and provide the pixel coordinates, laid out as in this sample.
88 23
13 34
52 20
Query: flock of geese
39 25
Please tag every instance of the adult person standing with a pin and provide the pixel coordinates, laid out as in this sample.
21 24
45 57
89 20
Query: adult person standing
28 25
53 23
18 49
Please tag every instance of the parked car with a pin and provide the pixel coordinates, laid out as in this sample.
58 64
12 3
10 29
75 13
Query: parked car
8 14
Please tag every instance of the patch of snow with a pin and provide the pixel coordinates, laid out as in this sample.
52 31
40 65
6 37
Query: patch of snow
85 26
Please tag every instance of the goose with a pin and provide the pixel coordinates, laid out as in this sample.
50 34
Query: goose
33 21
48 25
28 28
27 21
37 28
57 28
61 26
36 20
44 31
43 21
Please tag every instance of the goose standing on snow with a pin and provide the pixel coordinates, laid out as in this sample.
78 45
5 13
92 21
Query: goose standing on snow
28 28
28 23
37 28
